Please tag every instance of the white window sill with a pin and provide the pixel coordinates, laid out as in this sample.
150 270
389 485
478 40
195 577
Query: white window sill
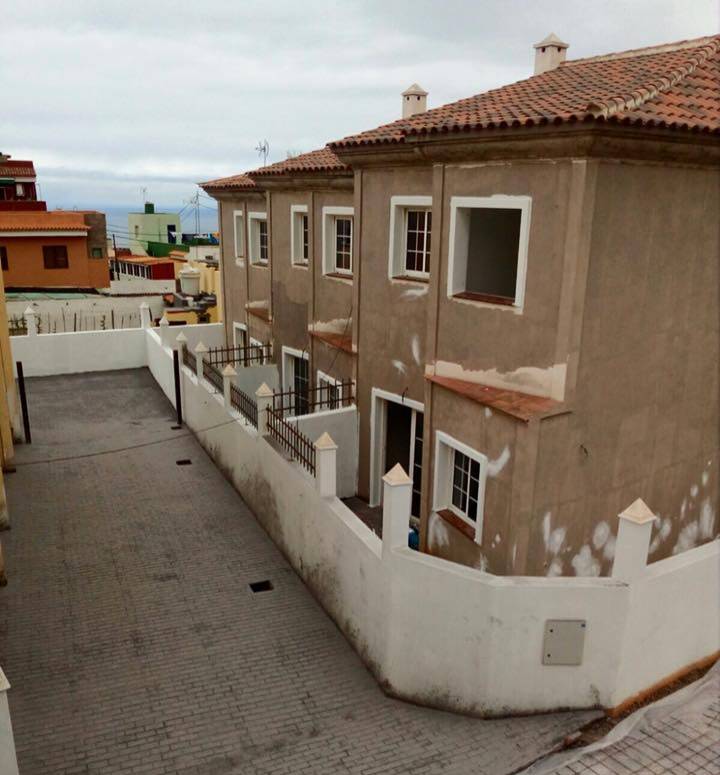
406 278
301 265
480 303
342 277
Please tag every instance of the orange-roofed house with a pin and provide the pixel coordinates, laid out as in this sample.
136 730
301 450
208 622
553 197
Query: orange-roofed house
58 249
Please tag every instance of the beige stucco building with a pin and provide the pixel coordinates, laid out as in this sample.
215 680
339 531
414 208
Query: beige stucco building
523 286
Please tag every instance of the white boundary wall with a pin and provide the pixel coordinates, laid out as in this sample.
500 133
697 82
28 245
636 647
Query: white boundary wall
433 632
446 635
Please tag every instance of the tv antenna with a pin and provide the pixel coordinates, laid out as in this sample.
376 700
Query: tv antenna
144 194
263 148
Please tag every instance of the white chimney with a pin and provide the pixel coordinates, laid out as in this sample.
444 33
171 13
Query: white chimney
414 100
549 53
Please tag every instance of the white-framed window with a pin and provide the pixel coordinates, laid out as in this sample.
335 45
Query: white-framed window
337 238
239 233
410 236
459 481
240 334
330 392
258 234
488 249
299 235
296 379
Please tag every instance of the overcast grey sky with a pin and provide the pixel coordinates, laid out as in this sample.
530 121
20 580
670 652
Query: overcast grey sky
109 96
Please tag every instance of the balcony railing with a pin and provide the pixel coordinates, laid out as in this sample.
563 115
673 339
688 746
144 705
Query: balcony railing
212 375
244 404
293 441
252 355
293 402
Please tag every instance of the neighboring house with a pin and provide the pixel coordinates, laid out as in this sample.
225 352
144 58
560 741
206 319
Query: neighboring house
58 249
18 190
531 297
149 226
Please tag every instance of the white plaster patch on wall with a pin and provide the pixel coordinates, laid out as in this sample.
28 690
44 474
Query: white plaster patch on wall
497 465
415 349
705 478
584 563
481 563
707 519
600 534
663 531
414 293
688 537
514 554
683 509
548 382
438 531
555 569
546 528
400 366
694 491
495 541
335 326
609 548
488 412
557 539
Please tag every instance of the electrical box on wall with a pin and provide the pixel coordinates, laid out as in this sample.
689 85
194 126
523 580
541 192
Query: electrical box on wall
564 641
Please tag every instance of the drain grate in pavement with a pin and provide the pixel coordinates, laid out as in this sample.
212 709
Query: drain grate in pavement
184 462
261 586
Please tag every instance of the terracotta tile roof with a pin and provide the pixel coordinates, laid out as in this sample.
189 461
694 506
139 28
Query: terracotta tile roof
57 220
675 85
232 182
14 168
321 160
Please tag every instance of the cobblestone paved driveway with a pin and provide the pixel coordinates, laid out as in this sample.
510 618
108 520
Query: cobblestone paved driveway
133 642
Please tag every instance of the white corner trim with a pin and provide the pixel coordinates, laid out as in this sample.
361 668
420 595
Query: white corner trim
239 249
441 495
294 260
328 266
499 201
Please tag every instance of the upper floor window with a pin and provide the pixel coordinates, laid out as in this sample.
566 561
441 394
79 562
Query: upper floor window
239 233
55 256
3 258
343 245
259 245
337 240
410 237
459 486
96 252
300 235
488 248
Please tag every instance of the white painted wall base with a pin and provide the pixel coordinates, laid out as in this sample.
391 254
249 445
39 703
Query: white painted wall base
435 632
8 757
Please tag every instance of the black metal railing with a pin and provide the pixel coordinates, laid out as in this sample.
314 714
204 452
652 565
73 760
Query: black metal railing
293 441
212 375
244 404
252 355
188 359
293 402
